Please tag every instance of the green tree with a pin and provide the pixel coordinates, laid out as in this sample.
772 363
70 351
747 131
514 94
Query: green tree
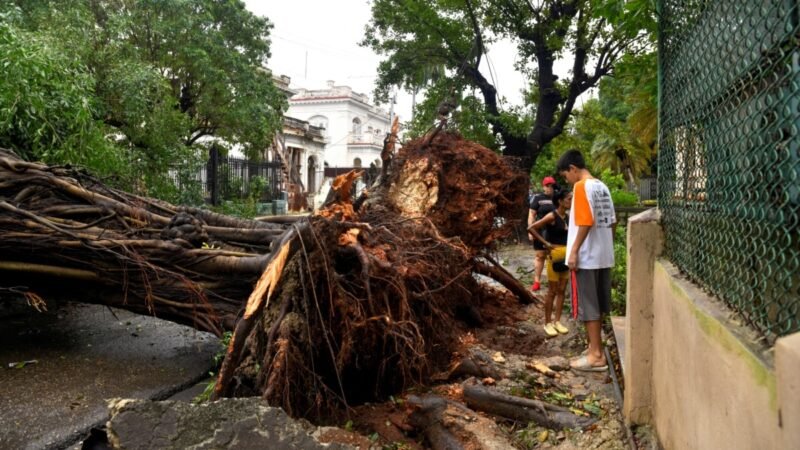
456 34
166 78
47 105
617 130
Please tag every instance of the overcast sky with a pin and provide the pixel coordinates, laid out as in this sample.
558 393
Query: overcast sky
317 40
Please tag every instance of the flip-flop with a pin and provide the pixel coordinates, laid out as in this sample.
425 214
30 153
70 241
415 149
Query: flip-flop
582 364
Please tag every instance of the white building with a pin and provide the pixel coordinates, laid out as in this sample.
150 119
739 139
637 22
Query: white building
302 148
354 128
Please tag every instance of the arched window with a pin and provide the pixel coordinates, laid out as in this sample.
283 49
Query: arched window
378 132
357 163
357 126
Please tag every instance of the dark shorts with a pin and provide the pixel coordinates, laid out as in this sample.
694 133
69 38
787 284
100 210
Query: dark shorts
537 245
591 294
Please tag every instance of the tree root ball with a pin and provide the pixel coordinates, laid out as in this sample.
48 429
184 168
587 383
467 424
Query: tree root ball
465 189
372 298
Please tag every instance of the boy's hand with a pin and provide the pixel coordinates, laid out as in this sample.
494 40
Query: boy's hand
572 261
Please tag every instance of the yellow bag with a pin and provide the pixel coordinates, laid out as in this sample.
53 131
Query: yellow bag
558 256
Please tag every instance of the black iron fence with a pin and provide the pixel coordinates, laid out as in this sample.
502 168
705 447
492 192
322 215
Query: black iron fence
648 188
226 178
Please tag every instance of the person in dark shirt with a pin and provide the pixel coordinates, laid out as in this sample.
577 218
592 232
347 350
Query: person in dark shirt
541 204
554 225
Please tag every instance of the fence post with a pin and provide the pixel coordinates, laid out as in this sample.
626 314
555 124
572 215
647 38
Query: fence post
645 241
213 174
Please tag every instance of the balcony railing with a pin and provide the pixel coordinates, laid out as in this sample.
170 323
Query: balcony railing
366 139
311 130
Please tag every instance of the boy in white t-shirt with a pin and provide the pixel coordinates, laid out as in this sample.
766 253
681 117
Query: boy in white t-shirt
590 254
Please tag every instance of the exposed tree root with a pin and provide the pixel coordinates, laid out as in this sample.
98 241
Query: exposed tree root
370 297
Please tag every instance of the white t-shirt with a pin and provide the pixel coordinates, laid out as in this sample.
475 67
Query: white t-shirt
592 206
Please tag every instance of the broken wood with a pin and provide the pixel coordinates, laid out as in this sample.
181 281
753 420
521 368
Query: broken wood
508 281
523 409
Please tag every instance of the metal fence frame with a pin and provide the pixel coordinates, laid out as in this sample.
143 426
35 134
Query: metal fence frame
729 152
226 177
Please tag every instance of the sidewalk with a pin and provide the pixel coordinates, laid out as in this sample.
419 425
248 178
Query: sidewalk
587 393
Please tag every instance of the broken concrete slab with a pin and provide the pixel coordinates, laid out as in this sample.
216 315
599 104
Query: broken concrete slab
231 423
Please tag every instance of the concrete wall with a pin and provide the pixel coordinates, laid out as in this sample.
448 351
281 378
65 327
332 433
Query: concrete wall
692 371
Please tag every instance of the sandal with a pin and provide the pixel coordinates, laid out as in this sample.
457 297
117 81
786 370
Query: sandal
583 365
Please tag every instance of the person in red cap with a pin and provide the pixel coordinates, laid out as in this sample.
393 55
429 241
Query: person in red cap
541 204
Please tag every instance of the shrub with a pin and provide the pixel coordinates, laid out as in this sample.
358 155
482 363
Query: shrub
620 195
619 273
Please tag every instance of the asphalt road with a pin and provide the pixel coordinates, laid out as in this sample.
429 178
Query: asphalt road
85 354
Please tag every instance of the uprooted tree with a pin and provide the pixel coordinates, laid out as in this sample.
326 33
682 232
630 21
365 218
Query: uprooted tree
352 304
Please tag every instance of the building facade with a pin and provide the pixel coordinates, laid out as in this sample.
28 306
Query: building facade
301 149
354 129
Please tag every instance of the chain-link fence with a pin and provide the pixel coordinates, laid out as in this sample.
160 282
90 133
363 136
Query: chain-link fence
729 158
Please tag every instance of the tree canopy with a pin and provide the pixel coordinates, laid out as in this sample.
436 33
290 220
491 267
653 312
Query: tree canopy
131 87
616 131
415 35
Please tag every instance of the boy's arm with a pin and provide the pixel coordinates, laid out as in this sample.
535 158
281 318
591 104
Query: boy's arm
541 223
572 258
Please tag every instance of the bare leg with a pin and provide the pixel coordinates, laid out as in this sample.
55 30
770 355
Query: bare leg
538 265
562 284
595 355
548 304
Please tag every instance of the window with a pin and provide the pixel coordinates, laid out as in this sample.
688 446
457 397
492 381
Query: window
357 163
357 126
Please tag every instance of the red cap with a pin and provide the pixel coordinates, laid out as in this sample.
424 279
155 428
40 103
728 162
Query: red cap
548 180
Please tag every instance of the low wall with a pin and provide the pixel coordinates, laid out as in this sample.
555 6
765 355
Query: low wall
692 371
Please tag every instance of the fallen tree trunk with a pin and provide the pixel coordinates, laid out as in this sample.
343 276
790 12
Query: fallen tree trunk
350 305
523 409
61 228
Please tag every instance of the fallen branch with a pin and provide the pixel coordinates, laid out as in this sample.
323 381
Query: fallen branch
523 409
502 276
428 416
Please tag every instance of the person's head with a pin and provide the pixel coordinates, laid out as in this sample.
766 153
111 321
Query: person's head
548 185
562 198
571 165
